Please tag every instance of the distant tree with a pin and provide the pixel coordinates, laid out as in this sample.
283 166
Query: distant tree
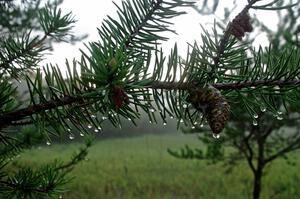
259 141
126 72
265 134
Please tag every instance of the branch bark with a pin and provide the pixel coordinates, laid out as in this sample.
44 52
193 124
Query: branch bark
7 119
249 155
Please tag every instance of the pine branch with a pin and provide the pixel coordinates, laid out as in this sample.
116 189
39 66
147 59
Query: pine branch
78 157
15 186
19 51
46 180
144 20
224 40
110 70
139 25
6 119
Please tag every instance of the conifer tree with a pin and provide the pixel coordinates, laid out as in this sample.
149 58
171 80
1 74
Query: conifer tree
126 73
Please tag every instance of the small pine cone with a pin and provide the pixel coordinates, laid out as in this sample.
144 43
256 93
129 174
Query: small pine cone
240 25
213 104
119 96
218 115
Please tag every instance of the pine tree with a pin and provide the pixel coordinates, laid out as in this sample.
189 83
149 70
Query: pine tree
126 73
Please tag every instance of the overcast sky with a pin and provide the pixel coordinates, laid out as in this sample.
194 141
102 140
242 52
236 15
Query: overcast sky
90 14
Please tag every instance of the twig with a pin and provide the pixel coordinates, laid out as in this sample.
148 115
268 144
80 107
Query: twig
143 22
7 118
22 52
224 40
291 147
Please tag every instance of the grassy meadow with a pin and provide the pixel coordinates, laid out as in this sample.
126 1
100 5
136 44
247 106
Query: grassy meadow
141 168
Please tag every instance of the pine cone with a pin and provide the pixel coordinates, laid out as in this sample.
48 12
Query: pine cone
214 105
119 96
240 25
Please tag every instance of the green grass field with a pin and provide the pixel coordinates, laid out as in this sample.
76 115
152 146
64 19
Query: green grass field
140 167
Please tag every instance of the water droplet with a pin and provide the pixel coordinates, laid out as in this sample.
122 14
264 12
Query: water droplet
89 126
209 68
216 135
81 134
255 123
279 112
48 143
201 125
98 129
60 196
152 110
279 117
263 109
71 136
104 118
150 122
181 121
185 106
171 117
93 116
164 123
129 119
255 116
193 127
69 130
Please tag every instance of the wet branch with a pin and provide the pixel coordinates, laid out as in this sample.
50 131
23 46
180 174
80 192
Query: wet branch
9 118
